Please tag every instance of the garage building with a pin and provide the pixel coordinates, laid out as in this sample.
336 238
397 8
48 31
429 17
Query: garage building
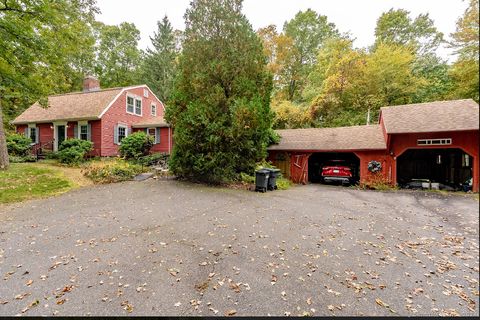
435 141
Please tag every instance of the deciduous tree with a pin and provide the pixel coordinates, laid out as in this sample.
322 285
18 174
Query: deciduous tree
118 58
465 70
309 31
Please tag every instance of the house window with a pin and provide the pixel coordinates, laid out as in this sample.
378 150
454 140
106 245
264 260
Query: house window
153 110
130 106
134 105
83 132
33 134
434 142
145 93
121 131
138 107
152 132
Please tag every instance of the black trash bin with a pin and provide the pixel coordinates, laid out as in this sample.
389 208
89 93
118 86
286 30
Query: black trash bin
261 180
272 180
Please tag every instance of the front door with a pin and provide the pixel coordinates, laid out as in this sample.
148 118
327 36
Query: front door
60 135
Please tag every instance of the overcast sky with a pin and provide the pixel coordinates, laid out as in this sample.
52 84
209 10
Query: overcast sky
355 16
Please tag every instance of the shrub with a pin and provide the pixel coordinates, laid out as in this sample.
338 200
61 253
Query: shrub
21 159
51 155
18 145
377 182
76 143
283 183
112 172
73 151
136 145
247 178
153 159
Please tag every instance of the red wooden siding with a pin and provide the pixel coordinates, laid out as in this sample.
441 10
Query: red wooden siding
468 141
117 114
164 138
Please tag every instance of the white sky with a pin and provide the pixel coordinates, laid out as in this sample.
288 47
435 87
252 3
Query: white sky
356 16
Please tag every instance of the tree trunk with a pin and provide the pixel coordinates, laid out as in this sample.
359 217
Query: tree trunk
3 144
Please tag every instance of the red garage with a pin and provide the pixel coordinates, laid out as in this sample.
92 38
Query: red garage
437 142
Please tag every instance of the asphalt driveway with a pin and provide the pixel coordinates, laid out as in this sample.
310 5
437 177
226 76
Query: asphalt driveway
173 248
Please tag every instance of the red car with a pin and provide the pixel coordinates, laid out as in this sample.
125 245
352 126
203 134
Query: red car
337 171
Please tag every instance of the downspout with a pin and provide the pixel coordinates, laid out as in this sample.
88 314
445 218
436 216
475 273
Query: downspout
169 140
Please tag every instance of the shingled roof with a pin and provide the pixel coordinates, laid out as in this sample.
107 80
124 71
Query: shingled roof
332 139
453 115
156 122
70 106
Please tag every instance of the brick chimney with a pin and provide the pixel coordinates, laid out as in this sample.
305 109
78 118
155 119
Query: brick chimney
90 84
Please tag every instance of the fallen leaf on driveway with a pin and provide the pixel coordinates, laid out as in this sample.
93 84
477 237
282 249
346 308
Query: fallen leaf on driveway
331 307
29 282
274 279
178 304
61 301
127 306
203 263
230 312
32 304
385 305
449 313
21 296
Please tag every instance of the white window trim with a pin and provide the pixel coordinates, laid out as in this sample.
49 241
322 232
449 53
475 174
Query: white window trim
135 99
154 135
145 92
121 125
79 128
141 106
34 126
126 103
151 109
434 142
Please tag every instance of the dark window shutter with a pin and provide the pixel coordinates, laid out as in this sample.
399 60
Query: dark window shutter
26 132
115 134
89 132
157 135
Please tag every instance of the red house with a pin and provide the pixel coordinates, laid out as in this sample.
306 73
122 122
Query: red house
435 141
103 116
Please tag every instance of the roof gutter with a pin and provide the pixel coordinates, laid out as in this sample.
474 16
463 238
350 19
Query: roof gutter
54 120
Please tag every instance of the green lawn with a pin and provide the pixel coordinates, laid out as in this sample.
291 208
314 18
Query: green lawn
24 181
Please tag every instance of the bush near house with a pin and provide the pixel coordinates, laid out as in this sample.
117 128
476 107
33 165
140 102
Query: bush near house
73 151
154 159
112 171
18 145
136 145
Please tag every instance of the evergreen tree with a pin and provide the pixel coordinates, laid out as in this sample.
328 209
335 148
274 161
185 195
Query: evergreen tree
221 103
159 66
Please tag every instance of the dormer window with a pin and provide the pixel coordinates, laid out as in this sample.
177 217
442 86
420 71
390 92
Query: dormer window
134 105
138 107
130 104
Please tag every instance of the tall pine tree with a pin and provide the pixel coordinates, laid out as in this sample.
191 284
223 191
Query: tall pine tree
221 106
159 66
